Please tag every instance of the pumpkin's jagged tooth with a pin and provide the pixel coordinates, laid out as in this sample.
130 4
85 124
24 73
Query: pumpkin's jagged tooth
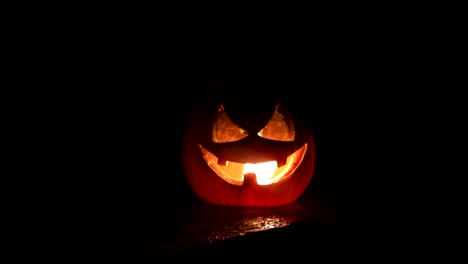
222 162
250 179
281 162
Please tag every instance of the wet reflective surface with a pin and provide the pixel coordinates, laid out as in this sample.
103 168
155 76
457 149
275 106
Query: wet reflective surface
199 226
211 223
243 226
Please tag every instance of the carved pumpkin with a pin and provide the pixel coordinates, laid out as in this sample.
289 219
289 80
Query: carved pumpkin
247 152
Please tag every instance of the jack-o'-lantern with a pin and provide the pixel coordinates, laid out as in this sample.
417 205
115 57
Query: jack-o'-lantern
247 151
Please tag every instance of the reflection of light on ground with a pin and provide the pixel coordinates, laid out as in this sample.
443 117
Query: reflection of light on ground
244 226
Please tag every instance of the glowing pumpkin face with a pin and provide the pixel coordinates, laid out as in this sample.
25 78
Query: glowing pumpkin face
247 153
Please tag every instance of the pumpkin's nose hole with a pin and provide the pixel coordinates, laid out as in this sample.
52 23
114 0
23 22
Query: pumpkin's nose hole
250 179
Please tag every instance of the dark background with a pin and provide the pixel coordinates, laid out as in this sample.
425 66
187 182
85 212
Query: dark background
378 115
378 150
380 92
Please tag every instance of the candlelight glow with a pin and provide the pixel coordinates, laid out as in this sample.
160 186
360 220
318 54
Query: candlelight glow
263 171
266 172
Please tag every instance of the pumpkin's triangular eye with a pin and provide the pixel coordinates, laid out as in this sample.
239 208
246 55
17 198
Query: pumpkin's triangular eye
278 128
224 130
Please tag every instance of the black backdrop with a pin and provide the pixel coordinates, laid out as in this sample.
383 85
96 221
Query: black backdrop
377 90
380 138
369 139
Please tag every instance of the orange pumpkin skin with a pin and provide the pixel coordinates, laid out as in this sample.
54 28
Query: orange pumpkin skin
210 188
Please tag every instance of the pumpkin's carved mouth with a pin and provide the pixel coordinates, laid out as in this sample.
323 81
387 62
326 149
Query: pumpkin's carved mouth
267 172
